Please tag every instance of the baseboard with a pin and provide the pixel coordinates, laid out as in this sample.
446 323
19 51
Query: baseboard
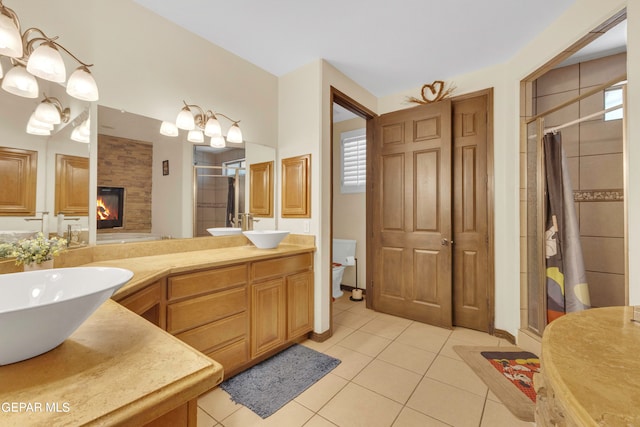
320 337
504 335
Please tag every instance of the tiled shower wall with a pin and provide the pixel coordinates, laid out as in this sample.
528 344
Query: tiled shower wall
213 192
595 159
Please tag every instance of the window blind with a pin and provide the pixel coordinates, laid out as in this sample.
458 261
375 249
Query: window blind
354 161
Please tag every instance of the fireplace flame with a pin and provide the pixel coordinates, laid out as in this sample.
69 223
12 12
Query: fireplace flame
102 210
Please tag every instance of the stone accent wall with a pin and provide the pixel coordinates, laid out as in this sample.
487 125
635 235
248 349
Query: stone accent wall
127 163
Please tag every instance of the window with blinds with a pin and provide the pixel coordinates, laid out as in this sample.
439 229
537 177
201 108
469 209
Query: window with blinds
354 161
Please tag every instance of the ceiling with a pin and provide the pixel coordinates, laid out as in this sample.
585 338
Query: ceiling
384 46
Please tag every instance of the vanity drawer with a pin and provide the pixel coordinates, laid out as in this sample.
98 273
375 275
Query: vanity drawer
231 356
279 267
202 282
198 311
213 335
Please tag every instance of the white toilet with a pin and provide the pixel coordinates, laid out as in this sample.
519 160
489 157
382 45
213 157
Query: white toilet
344 252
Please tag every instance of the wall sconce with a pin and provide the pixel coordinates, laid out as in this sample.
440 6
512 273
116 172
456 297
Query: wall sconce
202 122
39 57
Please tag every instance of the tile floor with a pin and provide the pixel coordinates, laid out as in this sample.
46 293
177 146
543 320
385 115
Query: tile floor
394 372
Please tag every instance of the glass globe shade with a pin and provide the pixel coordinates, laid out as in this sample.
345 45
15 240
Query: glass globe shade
185 119
168 129
10 38
195 136
46 62
212 127
81 85
19 82
48 113
235 134
217 141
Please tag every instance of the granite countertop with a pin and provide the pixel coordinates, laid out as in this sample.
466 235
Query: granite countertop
590 359
116 368
147 269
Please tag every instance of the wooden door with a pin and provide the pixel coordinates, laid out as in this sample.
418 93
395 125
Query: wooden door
470 215
268 321
411 213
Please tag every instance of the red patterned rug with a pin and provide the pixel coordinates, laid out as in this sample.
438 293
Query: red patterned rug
508 372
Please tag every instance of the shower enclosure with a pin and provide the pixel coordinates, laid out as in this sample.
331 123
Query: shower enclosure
218 194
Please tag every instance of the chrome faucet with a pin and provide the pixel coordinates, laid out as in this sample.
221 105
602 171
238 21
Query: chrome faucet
45 222
246 221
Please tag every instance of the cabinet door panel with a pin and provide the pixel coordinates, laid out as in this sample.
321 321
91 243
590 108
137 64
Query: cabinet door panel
299 304
148 304
268 322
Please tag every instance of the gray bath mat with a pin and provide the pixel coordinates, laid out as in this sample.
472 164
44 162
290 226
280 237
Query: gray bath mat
269 385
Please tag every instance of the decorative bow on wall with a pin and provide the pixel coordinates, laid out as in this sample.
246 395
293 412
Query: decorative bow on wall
433 92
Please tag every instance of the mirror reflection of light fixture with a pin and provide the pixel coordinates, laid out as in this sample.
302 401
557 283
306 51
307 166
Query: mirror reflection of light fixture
168 129
41 56
202 121
196 136
50 110
37 127
82 132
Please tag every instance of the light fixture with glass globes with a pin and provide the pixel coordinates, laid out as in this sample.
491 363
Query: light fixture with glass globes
33 53
202 122
48 113
82 132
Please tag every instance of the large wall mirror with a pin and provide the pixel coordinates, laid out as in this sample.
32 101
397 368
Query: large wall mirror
155 175
58 147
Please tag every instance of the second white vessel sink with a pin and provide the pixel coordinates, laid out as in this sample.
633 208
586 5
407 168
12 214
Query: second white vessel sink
224 231
266 239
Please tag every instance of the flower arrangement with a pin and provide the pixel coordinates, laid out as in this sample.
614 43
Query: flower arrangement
35 250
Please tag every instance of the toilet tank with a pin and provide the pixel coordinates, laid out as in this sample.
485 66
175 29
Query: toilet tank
344 251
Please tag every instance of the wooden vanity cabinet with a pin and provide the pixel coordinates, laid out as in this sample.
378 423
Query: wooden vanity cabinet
234 314
209 311
149 303
281 301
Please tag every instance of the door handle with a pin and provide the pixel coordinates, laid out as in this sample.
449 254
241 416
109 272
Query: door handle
445 242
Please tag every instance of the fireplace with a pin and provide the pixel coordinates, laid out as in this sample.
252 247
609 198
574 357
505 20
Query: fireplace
110 207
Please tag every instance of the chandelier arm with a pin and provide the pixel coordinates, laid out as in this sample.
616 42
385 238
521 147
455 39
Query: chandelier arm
11 14
198 118
228 118
28 44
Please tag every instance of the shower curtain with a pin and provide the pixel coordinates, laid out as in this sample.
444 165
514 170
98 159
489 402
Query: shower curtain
231 203
567 288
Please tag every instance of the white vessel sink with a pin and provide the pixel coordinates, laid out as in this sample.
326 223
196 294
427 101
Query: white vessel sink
266 239
224 231
40 309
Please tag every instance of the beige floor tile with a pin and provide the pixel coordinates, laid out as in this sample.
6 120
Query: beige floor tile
447 403
290 415
352 320
218 404
351 362
205 420
458 374
410 418
321 392
425 337
407 357
318 421
365 343
497 415
388 380
447 349
381 326
474 337
355 406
